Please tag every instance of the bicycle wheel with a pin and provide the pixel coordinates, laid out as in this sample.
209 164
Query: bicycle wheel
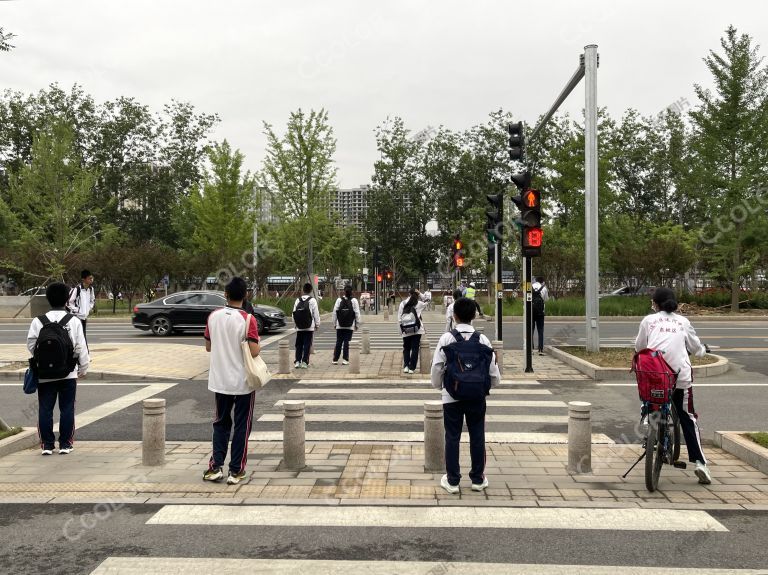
676 432
654 450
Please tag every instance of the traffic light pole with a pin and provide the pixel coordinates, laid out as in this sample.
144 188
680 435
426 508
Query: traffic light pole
376 291
528 323
499 291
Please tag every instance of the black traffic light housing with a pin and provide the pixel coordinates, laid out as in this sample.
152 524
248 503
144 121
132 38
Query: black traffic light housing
516 140
457 252
529 204
494 223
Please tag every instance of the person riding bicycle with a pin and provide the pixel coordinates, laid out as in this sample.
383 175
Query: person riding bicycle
674 335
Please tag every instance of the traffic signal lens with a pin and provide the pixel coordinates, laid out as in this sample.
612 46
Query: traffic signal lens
378 277
530 199
534 237
389 275
459 245
460 262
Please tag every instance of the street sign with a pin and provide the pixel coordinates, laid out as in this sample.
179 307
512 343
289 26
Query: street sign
529 296
365 271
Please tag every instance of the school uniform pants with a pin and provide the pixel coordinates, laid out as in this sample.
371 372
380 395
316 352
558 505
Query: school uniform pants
538 325
343 337
683 400
48 392
454 415
303 345
223 428
411 350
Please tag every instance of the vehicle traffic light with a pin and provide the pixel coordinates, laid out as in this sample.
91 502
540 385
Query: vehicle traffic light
378 278
529 203
389 274
516 140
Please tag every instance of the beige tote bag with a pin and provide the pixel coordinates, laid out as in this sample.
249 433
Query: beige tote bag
257 374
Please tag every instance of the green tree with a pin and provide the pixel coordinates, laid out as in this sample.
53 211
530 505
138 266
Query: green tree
730 128
5 45
50 202
221 212
300 171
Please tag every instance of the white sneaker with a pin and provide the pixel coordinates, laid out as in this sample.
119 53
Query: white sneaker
65 450
334 362
46 452
344 362
303 365
701 471
297 364
480 486
452 489
411 371
405 369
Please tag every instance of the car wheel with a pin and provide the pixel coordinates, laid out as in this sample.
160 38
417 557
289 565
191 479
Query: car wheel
161 326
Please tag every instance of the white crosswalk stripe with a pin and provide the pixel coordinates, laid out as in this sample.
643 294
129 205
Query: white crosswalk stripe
205 566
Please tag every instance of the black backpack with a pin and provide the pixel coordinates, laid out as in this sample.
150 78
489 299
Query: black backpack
302 315
345 315
54 354
538 302
467 367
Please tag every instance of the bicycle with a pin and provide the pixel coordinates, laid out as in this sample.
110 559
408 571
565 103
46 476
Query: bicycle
661 444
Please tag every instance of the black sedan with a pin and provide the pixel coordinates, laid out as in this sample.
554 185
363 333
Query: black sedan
188 311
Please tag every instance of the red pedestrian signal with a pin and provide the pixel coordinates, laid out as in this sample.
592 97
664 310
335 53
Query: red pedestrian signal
459 261
378 277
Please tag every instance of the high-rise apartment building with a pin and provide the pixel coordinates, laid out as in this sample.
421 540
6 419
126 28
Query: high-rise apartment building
350 204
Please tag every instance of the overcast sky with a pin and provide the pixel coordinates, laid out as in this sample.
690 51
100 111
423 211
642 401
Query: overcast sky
433 63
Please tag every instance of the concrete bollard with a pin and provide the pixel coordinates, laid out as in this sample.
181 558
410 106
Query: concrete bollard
284 357
498 347
425 356
294 454
579 437
386 312
354 357
365 345
434 437
153 432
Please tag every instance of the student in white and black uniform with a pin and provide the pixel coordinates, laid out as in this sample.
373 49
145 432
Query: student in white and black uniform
411 341
304 335
62 390
674 335
225 330
449 310
346 321
82 299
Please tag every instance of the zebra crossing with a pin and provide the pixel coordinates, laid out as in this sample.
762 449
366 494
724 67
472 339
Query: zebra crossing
380 410
346 549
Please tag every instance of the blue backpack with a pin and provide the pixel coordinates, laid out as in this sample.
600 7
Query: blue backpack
467 368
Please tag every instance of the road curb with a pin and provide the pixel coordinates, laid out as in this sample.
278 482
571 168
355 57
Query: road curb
745 449
623 374
25 439
104 376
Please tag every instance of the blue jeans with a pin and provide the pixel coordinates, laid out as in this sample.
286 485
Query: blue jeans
343 337
222 428
48 392
454 415
303 345
411 350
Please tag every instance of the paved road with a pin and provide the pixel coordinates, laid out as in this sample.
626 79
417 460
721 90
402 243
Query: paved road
727 336
76 539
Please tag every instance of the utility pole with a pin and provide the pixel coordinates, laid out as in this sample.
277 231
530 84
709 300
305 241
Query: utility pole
590 192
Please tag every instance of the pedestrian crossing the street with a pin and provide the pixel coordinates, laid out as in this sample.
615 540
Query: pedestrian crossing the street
386 336
371 410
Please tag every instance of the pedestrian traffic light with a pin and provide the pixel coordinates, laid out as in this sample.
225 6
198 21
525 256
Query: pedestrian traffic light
529 203
389 274
495 217
457 252
516 141
378 278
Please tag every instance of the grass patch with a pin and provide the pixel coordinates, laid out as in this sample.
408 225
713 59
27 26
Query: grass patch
760 438
619 356
9 432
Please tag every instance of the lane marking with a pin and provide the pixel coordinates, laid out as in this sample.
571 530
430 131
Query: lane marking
106 383
420 402
110 407
410 418
439 517
546 438
406 380
205 566
404 391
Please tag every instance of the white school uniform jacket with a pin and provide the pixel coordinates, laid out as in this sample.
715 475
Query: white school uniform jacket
81 305
438 360
314 310
355 308
75 329
674 335
420 305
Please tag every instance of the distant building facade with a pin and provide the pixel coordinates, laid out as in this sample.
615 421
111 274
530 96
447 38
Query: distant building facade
351 204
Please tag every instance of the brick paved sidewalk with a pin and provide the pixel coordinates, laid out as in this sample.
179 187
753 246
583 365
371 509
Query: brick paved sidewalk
372 473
